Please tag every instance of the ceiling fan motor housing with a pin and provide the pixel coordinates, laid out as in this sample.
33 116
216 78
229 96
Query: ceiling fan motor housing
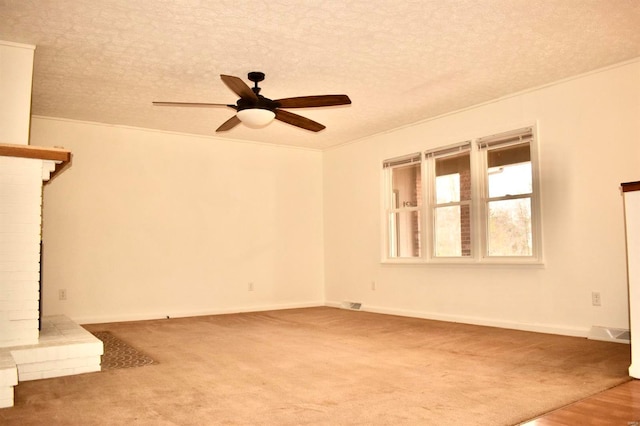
262 103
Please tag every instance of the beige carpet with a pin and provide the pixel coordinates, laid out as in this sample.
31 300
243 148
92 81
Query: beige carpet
325 366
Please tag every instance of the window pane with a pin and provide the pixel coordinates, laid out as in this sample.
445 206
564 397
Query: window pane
404 234
453 178
510 171
510 228
447 189
406 186
514 179
452 231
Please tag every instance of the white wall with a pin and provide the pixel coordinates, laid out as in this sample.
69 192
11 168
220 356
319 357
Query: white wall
147 224
589 142
16 71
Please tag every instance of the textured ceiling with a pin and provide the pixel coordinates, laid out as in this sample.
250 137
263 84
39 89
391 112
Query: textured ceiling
399 61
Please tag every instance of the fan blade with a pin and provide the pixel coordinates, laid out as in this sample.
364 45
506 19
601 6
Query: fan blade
229 124
239 87
298 120
313 101
192 104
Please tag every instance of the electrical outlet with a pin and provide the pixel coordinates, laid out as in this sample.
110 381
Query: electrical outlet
62 294
595 298
250 286
373 285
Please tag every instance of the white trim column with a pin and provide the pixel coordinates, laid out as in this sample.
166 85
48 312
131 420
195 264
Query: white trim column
631 193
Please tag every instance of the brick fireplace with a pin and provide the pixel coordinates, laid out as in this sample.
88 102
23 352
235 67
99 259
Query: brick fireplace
21 180
27 351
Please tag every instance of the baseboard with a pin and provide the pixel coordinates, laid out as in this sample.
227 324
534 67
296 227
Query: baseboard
185 314
488 322
538 328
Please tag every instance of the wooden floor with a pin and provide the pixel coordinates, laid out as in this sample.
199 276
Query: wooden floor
616 406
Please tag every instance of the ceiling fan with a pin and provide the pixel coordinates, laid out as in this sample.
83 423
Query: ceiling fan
255 110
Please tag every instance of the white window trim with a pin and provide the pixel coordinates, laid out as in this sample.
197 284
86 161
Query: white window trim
479 214
430 157
387 166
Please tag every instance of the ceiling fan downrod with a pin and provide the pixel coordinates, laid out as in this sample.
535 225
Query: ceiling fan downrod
256 77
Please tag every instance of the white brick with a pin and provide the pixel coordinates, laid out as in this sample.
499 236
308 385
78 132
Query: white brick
8 369
16 218
9 249
19 321
22 204
19 164
6 397
18 184
87 369
19 266
8 376
20 238
24 356
30 257
12 338
4 344
76 350
35 355
6 392
24 315
65 349
8 285
19 276
18 179
20 305
21 194
90 361
61 364
37 375
48 167
20 228
19 290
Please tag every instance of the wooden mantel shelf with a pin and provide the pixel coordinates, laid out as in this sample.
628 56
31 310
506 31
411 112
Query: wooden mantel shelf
631 186
61 157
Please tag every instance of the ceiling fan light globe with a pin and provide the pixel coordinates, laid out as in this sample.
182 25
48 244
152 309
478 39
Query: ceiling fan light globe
256 117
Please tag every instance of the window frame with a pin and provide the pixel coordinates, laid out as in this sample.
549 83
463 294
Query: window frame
389 206
479 205
430 157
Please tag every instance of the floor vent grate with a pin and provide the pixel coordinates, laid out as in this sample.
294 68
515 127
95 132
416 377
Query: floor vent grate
619 335
354 306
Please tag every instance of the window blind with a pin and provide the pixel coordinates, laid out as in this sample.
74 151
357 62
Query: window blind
448 150
513 137
399 161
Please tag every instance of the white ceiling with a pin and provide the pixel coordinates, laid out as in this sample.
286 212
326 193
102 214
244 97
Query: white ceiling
399 61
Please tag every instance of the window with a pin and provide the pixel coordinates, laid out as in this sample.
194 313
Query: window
479 203
403 206
509 194
451 203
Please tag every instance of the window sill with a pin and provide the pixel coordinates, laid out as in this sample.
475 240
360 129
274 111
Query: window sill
533 263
